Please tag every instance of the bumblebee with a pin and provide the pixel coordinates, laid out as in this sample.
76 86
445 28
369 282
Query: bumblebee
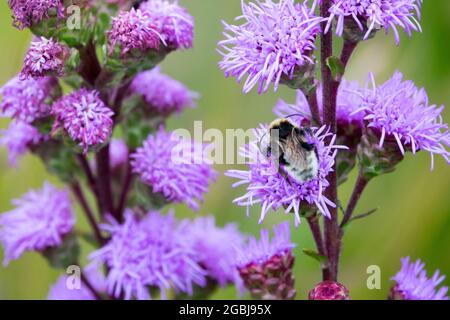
289 145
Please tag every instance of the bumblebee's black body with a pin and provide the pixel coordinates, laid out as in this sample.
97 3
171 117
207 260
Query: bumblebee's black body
296 156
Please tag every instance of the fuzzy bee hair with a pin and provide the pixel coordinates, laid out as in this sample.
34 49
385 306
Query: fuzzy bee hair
296 156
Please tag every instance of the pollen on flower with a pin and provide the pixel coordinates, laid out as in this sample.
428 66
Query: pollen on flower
174 22
274 40
40 220
45 57
85 117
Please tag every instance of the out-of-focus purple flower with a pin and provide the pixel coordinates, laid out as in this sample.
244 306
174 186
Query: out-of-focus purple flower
265 266
412 283
134 29
162 93
274 41
118 153
40 221
148 253
329 290
398 110
29 12
215 247
174 22
370 15
65 289
44 58
17 138
27 100
273 190
85 117
174 167
348 101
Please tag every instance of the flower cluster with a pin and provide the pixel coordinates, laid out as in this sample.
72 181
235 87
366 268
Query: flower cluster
148 253
29 99
273 190
274 41
397 110
265 266
18 138
85 117
174 22
134 29
26 13
44 58
370 15
173 167
412 283
40 221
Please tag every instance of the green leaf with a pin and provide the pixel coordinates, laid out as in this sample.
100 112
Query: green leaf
336 67
316 256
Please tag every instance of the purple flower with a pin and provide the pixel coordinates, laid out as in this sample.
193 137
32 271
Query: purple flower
348 103
85 117
215 247
134 29
29 12
412 283
162 93
174 22
273 190
274 41
398 110
40 221
148 253
265 266
64 289
173 167
27 100
18 138
118 153
44 58
370 15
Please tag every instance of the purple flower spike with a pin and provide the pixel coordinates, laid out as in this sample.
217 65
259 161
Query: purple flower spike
65 290
399 111
29 12
18 138
274 40
174 168
40 221
27 100
44 58
134 29
162 93
265 266
273 190
215 247
85 118
412 283
174 22
148 253
370 15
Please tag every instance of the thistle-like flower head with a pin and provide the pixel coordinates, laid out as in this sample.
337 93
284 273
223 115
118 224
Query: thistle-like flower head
174 22
45 57
85 117
148 253
174 167
329 290
40 220
273 41
412 283
370 15
162 93
29 12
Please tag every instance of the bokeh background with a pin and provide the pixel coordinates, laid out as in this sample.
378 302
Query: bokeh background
414 204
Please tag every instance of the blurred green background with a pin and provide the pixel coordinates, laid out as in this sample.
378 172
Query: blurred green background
414 204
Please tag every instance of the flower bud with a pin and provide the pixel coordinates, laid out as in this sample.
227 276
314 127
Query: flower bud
329 290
